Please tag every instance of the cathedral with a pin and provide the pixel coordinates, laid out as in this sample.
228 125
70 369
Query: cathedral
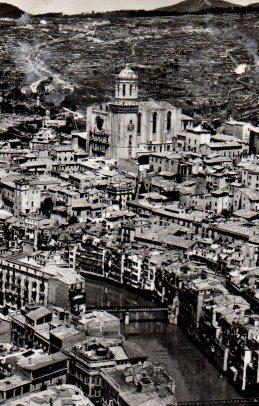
128 127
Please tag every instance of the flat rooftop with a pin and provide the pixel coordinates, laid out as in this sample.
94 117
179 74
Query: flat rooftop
61 395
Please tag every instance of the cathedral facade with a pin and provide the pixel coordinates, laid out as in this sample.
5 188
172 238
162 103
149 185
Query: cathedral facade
127 127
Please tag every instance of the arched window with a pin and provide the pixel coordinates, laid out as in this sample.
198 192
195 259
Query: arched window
124 90
154 122
131 89
139 122
169 121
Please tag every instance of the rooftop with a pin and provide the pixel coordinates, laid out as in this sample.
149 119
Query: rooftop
38 313
127 73
61 395
141 386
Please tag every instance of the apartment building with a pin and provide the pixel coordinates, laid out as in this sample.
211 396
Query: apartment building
29 278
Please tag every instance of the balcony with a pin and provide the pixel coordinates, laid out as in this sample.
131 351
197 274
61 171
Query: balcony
100 141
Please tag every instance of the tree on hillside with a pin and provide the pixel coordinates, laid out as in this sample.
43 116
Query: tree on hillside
47 206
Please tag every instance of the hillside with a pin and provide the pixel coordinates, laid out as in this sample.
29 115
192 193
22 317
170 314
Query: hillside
194 6
8 10
253 6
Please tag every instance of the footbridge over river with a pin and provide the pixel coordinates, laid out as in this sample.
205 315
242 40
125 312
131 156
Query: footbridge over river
129 313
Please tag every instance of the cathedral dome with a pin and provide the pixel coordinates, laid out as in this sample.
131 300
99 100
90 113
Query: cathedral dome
127 73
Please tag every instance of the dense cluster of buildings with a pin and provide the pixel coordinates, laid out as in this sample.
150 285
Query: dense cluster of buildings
145 198
53 349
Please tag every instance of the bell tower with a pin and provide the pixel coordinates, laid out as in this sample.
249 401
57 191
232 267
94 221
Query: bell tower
126 86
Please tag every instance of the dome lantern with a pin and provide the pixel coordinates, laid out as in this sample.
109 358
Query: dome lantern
126 88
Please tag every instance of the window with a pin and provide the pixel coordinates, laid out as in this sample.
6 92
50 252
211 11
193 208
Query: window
139 122
124 90
169 121
154 122
130 90
99 122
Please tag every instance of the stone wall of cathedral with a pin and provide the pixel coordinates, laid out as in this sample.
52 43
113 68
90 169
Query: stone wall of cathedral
132 128
124 131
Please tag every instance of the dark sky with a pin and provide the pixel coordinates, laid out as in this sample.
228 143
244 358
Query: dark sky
79 6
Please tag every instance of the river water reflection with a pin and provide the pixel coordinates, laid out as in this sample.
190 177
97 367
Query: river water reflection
196 378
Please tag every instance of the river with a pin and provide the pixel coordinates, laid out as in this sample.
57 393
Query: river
196 378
